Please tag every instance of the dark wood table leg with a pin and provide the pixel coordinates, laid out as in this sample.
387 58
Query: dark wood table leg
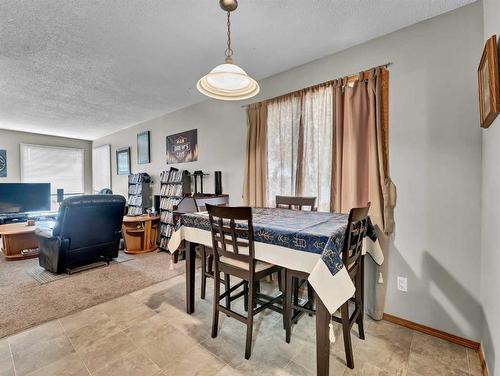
190 274
322 338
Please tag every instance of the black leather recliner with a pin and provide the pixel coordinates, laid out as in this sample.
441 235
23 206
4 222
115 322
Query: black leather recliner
88 229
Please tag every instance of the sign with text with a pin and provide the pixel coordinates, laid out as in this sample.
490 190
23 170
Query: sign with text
182 147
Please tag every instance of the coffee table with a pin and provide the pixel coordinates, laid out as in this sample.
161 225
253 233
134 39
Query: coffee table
19 241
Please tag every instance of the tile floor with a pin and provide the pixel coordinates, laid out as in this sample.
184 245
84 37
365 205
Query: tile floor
147 333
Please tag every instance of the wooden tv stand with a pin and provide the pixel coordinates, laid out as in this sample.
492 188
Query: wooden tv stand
19 241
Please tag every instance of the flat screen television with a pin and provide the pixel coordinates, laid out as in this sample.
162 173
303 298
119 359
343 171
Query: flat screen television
24 197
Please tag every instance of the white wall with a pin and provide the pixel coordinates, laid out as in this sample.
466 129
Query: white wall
490 271
221 140
435 157
11 140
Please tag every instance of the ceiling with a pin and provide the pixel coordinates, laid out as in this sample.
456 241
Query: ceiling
88 68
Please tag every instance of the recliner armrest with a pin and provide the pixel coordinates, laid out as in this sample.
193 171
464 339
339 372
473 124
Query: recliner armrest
44 234
48 242
51 250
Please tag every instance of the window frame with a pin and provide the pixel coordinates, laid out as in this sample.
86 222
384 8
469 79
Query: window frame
349 80
108 157
22 162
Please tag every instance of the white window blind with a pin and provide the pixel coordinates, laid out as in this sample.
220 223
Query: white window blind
61 167
101 168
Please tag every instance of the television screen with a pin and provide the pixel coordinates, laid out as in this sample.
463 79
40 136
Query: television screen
24 197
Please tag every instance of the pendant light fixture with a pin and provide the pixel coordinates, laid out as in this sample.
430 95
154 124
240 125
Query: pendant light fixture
228 81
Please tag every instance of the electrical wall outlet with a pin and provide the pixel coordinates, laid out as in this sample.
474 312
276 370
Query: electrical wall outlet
402 284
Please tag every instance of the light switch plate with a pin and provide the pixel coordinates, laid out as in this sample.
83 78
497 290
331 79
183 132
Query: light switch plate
402 284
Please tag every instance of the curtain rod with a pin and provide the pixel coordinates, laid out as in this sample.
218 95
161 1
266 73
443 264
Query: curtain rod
313 86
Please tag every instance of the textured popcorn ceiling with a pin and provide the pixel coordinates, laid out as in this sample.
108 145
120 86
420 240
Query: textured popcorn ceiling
87 68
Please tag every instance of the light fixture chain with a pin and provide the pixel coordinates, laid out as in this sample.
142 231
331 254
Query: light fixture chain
229 51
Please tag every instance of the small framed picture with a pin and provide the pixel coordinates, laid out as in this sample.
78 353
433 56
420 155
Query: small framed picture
489 91
143 147
123 161
3 163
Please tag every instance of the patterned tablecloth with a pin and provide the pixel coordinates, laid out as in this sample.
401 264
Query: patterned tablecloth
301 240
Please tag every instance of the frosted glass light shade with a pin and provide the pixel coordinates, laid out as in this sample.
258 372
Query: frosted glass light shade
228 82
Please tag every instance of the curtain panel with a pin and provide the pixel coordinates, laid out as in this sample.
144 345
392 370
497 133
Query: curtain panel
328 141
255 178
299 146
360 167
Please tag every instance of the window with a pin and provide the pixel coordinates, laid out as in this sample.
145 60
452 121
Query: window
101 168
299 146
61 167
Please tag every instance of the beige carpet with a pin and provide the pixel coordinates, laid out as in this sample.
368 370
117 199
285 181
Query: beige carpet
25 303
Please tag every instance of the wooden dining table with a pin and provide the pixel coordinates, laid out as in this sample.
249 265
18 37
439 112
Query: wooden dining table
305 241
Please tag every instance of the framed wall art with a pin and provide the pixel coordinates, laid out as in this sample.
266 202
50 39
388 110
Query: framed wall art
3 163
143 148
182 147
123 161
489 91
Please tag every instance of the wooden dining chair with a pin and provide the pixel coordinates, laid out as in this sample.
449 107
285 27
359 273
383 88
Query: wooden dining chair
296 202
206 253
353 260
234 254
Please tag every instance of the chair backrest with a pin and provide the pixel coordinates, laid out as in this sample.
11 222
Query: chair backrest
353 240
296 202
229 238
90 220
105 191
201 202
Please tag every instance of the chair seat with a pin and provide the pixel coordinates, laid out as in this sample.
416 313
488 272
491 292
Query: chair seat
259 265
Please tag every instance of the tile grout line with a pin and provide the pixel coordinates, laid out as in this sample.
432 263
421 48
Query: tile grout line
133 342
214 355
11 357
76 351
411 351
146 355
122 330
119 331
141 350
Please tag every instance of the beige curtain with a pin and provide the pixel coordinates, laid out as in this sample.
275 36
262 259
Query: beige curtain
283 127
299 146
255 179
317 146
359 164
328 141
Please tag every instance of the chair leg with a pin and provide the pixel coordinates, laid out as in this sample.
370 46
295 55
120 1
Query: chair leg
288 306
282 277
257 289
359 298
280 281
215 316
210 259
245 296
310 296
227 282
203 272
346 331
251 298
359 321
296 283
